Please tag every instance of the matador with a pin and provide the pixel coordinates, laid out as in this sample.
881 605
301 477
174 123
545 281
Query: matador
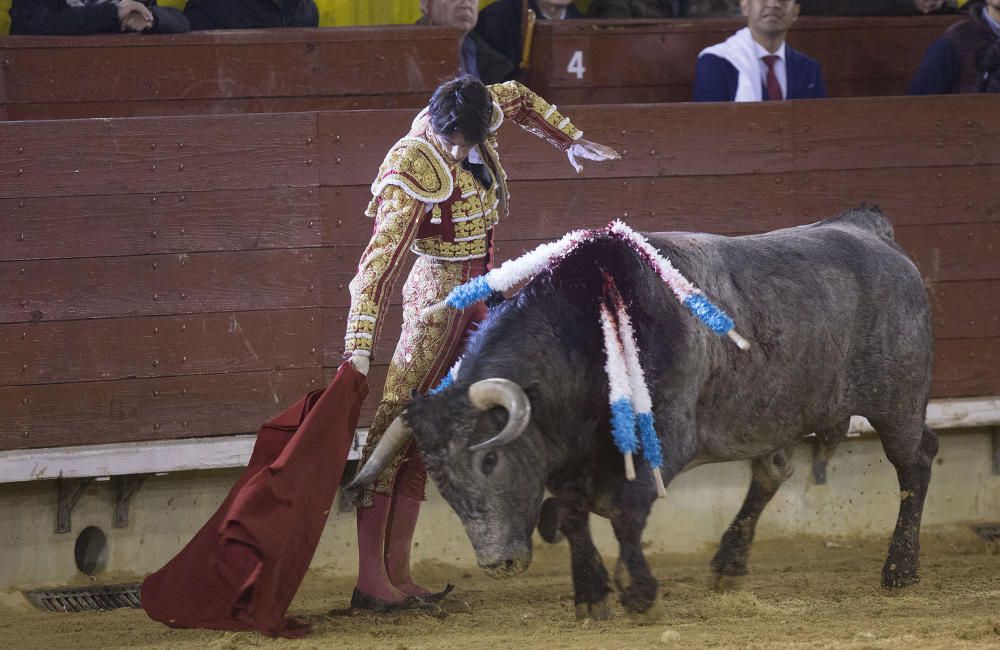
439 194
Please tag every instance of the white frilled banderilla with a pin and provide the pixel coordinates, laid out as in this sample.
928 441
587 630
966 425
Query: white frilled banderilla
631 406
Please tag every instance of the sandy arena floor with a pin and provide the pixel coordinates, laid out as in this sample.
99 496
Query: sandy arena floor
802 593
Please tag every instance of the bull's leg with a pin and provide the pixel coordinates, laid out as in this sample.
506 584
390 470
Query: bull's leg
590 578
628 521
913 469
769 472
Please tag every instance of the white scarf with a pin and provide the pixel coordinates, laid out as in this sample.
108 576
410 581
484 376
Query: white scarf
739 49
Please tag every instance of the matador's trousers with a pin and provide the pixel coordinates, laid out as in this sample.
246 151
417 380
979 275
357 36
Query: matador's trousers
426 350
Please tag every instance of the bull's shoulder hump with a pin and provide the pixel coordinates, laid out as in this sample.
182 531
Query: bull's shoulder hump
850 238
863 219
866 226
684 240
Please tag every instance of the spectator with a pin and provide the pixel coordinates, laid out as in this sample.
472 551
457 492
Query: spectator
870 7
831 7
755 63
251 14
966 59
637 8
460 14
714 8
500 27
80 17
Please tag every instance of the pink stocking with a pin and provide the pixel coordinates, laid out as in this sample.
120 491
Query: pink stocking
402 523
372 577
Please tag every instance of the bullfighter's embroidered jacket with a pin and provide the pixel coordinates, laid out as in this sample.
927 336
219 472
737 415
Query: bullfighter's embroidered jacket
437 209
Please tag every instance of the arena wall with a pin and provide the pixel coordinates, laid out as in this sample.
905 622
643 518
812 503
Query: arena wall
185 277
571 62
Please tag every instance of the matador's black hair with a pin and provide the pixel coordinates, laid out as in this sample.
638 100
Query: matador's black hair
462 105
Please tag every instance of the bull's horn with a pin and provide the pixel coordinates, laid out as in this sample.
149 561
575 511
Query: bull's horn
393 441
487 393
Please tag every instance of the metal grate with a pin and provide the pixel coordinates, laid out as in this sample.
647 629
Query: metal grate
989 532
86 599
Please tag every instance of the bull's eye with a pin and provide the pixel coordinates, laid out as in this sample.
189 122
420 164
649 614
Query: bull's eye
489 462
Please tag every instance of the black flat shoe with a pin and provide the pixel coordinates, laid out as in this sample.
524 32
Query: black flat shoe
438 596
448 603
362 601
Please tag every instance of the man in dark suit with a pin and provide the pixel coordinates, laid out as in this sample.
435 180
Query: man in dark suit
499 26
967 58
251 14
80 17
473 53
755 63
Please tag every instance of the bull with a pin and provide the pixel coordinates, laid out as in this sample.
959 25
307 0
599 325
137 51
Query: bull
840 324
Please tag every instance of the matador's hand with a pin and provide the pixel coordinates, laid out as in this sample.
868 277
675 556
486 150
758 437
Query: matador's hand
360 363
590 151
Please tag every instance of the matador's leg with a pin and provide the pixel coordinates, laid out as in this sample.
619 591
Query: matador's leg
427 348
425 351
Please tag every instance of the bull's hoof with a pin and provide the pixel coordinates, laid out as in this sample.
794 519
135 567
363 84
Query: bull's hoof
893 579
898 582
728 565
637 600
721 583
599 611
648 617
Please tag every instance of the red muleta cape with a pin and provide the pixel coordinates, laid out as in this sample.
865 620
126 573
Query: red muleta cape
242 569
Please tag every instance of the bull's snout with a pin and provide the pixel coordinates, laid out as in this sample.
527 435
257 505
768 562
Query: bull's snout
506 568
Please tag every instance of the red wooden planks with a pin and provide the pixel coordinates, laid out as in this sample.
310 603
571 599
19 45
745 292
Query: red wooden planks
716 139
53 415
147 224
159 346
966 310
222 65
74 157
148 285
271 247
966 368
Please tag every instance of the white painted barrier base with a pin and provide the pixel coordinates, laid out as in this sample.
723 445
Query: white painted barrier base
163 456
129 458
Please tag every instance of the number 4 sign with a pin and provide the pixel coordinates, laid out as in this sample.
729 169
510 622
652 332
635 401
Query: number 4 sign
576 64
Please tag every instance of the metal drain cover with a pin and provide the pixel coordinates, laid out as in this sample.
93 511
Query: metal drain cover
86 599
989 532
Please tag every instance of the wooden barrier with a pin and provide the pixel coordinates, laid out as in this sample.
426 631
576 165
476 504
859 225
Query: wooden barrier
245 71
187 276
620 62
239 71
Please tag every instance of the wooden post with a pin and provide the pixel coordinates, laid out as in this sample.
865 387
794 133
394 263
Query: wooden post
70 491
996 451
125 489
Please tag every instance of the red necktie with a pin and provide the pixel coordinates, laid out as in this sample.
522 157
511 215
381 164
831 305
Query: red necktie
773 87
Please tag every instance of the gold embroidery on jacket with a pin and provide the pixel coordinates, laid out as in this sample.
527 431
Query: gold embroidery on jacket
534 114
396 225
423 343
460 250
417 167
